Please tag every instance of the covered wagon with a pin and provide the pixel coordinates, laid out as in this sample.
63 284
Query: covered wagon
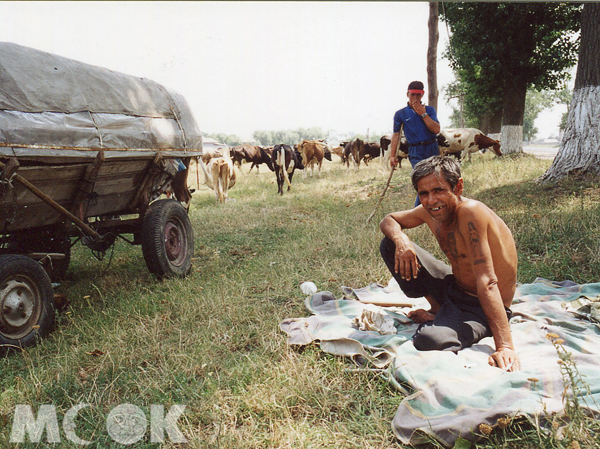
89 155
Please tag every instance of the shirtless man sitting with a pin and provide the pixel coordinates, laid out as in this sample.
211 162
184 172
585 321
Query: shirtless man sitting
471 299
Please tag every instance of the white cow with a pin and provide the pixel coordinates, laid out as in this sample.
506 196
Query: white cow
219 175
464 141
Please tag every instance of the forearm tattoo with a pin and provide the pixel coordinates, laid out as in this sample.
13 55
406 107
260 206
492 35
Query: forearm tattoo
475 244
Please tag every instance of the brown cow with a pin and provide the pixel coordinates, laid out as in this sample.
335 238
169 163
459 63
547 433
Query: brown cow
313 152
253 154
371 150
364 151
347 153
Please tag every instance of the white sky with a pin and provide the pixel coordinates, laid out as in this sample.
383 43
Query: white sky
246 66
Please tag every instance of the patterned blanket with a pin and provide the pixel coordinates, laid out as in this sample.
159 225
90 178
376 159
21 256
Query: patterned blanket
459 395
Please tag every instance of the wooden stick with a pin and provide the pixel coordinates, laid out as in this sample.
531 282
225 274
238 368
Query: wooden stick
382 194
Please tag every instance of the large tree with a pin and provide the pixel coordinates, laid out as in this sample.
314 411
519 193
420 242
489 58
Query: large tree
580 146
500 50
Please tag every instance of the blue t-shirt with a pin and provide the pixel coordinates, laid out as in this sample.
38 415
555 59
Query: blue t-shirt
415 129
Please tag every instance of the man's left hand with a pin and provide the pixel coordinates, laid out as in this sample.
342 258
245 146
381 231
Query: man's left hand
506 359
421 316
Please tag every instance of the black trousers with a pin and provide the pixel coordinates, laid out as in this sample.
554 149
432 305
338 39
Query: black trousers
460 322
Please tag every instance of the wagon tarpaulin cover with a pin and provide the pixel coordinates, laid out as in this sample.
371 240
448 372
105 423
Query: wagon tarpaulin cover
55 106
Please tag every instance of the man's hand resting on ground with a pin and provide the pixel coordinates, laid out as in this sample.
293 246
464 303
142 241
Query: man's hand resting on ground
505 359
420 316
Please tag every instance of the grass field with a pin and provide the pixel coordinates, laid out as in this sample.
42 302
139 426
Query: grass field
211 341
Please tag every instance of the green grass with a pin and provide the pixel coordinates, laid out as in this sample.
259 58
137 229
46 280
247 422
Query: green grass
212 342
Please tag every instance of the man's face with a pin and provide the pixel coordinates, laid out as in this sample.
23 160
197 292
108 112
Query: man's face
414 98
438 198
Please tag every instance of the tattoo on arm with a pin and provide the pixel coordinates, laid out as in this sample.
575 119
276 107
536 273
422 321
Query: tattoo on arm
475 244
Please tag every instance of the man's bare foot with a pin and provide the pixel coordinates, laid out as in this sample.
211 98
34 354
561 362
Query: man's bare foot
420 316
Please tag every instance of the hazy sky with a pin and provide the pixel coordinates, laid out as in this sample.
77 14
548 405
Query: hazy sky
246 66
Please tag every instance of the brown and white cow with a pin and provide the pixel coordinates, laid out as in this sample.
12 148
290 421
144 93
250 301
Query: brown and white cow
402 152
339 150
384 144
285 161
464 141
326 149
312 152
219 175
252 154
209 153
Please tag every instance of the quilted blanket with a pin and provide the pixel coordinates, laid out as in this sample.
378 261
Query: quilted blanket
450 396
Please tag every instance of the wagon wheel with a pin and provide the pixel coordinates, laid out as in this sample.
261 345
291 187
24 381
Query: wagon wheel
50 241
26 302
167 239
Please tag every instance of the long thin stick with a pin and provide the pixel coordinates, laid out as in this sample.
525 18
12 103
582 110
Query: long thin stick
382 194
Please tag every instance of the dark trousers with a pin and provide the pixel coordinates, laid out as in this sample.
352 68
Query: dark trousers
459 323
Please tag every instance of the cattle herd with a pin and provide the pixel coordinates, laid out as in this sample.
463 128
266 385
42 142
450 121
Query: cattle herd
218 165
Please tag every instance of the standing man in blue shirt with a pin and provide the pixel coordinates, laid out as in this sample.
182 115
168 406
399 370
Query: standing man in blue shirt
421 127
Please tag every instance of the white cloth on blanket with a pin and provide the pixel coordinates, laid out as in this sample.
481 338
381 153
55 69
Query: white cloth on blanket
375 320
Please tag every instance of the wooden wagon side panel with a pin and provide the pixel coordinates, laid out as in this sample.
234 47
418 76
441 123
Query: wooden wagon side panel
21 209
114 188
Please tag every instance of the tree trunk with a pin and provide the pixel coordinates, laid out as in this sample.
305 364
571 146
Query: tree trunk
491 123
513 108
432 55
579 150
496 122
484 122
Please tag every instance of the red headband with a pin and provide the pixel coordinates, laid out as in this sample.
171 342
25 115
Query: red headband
416 91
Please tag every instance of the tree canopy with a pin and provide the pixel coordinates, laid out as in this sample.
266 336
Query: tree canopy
499 50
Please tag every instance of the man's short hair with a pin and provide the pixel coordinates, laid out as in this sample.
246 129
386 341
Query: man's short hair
416 87
446 165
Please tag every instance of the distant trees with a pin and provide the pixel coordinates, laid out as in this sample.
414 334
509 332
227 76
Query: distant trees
289 137
228 139
536 102
500 50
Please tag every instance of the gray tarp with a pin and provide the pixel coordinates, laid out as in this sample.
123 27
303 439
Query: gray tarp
49 102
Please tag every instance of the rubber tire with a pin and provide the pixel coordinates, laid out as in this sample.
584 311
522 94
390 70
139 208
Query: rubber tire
25 270
167 239
50 241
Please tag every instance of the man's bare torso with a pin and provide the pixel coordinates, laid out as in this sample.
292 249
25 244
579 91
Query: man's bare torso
501 243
